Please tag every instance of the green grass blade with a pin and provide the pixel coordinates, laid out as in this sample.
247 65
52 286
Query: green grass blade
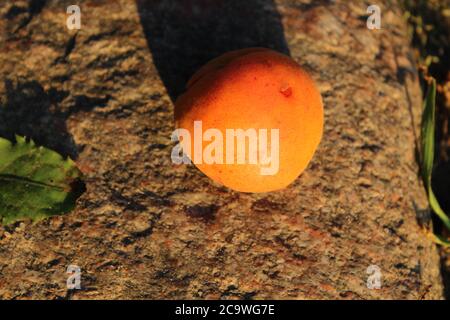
427 137
437 209
428 131
440 240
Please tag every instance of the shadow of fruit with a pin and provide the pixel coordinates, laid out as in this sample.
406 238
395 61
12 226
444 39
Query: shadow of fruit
260 92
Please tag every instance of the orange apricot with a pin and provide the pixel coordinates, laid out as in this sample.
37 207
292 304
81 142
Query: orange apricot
250 119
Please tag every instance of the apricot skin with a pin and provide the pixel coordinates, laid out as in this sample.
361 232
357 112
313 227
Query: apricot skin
261 89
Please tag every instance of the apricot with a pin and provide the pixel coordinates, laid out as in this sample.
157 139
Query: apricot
259 93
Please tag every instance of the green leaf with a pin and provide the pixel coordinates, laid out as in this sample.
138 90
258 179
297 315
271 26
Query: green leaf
35 182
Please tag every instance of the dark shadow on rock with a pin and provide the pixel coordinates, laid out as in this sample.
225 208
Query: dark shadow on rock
184 35
29 110
441 187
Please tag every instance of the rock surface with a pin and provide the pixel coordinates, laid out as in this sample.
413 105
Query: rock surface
146 228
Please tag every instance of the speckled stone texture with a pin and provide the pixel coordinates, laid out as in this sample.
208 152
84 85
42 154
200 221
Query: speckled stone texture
148 229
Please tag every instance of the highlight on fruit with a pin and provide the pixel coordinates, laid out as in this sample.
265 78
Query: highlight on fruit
250 119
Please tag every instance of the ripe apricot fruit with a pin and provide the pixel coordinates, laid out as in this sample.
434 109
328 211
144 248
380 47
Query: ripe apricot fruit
267 99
